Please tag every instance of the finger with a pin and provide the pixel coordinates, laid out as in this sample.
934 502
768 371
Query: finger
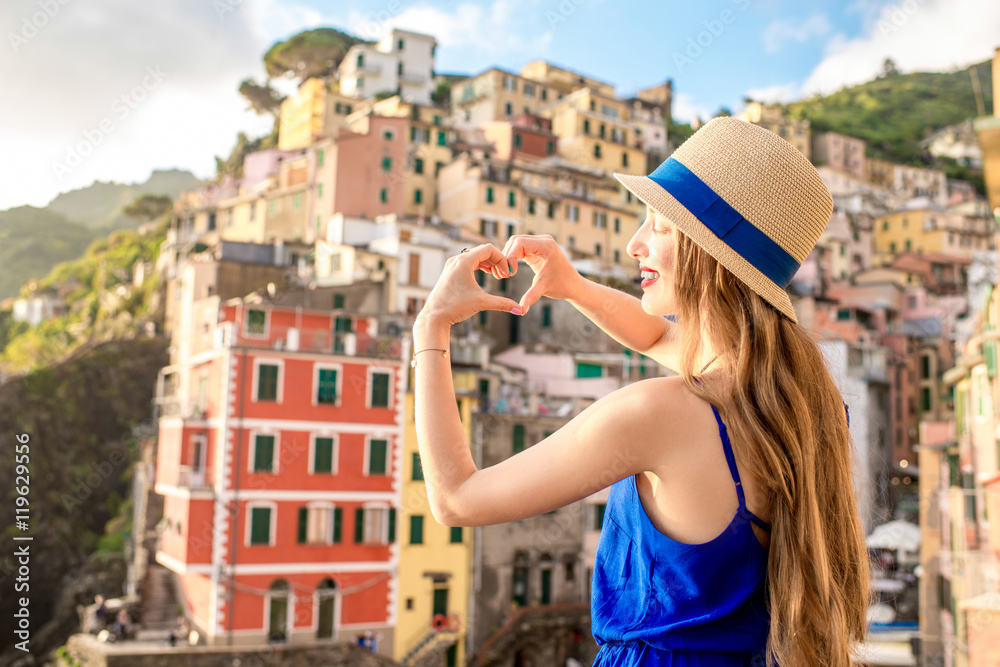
503 304
524 247
534 293
489 258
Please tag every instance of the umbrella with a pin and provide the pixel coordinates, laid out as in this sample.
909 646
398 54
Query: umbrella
900 535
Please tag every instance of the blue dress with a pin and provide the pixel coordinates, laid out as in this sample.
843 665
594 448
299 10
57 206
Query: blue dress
657 602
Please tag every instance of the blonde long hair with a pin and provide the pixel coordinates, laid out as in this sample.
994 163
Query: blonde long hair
789 431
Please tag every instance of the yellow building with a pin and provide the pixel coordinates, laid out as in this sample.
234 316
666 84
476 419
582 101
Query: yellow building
316 110
582 209
428 148
497 94
435 561
596 131
929 230
564 81
795 132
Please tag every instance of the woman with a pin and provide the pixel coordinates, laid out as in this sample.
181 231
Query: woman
731 535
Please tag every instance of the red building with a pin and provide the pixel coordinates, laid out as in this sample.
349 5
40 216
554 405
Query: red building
279 459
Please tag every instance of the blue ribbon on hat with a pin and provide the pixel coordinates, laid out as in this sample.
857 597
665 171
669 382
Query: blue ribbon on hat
725 221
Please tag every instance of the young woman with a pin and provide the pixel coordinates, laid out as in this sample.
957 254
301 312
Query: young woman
731 534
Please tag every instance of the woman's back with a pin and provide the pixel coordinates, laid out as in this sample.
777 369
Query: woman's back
679 575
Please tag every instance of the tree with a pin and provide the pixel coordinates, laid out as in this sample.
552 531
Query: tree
723 111
442 94
263 99
149 207
889 68
311 53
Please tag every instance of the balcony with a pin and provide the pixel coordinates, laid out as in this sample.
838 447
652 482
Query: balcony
368 68
189 477
867 363
412 78
294 339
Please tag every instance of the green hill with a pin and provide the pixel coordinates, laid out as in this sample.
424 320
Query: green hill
895 111
32 241
99 206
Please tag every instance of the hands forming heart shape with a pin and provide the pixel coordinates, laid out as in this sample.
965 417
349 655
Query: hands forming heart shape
457 296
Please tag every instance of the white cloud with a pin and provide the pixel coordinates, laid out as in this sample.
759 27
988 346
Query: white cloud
919 35
779 92
780 33
684 109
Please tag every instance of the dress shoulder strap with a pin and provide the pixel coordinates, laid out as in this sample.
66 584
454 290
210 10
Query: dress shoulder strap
731 460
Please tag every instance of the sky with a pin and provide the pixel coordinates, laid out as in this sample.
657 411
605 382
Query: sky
110 90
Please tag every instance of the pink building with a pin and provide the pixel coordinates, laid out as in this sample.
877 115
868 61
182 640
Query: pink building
843 153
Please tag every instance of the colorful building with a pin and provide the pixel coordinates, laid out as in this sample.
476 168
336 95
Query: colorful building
795 131
280 463
843 153
929 229
401 63
316 110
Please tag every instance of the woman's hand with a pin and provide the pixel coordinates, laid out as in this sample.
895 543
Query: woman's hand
555 276
457 296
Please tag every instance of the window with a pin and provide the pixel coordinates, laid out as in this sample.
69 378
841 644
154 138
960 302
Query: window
338 301
489 194
437 119
599 510
256 320
510 199
529 89
361 60
531 206
597 150
545 94
322 153
417 195
387 164
510 229
517 140
383 195
546 316
260 525
375 525
551 210
572 212
437 167
885 226
418 166
297 201
509 83
925 399
507 109
267 382
377 448
456 535
892 247
617 256
263 453
323 455
624 159
550 148
319 189
343 324
597 249
326 391
399 45
925 366
603 131
586 126
442 138
320 525
399 69
272 208
618 225
380 390
388 134
416 529
418 470
518 438
211 221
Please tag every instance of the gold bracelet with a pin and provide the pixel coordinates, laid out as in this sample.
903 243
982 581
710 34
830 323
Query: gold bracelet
413 362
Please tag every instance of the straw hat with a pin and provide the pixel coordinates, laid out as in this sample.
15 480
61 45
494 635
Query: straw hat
747 197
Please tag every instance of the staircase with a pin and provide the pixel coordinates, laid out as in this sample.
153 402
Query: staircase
534 624
159 603
430 649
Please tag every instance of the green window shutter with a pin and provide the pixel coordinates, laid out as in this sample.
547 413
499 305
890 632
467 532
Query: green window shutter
510 198
517 140
383 195
323 456
585 370
376 457
546 316
416 529
418 166
456 534
338 300
260 525
322 155
343 324
327 390
263 455
392 524
531 206
416 196
387 164
267 383
413 134
418 470
303 522
359 525
442 139
489 194
256 320
338 522
600 515
319 189
990 352
380 390
518 438
550 148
